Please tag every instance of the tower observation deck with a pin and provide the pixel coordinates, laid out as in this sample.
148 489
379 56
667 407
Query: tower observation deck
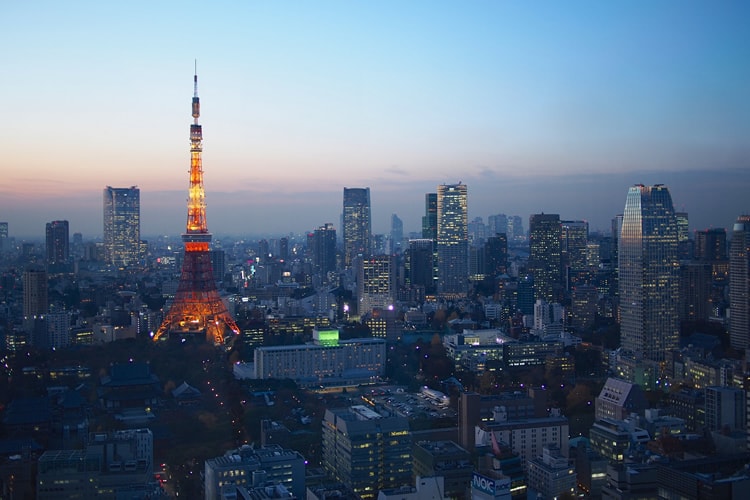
197 306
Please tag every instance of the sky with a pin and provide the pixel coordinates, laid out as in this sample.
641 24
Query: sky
554 107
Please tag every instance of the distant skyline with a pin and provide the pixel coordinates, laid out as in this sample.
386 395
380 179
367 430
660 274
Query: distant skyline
550 107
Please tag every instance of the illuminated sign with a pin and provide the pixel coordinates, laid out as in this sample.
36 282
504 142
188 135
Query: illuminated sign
327 337
483 484
494 487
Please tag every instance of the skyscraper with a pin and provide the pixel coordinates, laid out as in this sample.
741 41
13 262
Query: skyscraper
420 266
575 237
323 252
711 244
545 255
35 301
497 224
496 255
649 274
357 224
739 284
57 246
122 226
375 284
429 219
397 233
3 237
452 240
197 306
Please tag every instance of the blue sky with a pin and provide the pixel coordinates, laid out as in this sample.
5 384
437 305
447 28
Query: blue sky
536 106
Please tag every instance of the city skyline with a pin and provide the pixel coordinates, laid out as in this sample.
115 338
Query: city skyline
555 110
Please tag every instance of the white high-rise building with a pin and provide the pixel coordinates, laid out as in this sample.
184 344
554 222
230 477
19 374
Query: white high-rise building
452 240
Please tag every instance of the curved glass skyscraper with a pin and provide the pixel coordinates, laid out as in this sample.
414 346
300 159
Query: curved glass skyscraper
649 274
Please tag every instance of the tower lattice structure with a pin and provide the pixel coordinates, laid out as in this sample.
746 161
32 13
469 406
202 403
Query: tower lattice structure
197 306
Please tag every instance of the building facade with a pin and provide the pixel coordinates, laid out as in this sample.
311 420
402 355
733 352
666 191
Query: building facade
248 467
57 246
357 224
452 240
323 250
545 255
648 277
345 362
739 284
366 451
375 283
122 226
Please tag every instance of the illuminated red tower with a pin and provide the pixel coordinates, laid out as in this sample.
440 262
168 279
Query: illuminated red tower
197 307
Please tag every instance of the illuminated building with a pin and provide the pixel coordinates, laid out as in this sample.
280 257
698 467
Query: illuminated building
254 467
197 307
575 235
366 451
383 323
584 304
357 224
684 244
648 280
545 255
345 362
551 475
452 240
739 284
375 286
610 438
122 226
57 246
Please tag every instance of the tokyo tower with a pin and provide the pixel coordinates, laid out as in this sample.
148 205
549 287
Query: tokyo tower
197 306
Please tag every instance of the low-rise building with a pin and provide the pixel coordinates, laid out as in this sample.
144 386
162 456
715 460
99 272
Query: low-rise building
446 459
526 437
339 363
551 474
250 468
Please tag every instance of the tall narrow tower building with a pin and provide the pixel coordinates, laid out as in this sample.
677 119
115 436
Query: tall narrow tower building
122 226
545 255
57 246
739 284
649 274
357 224
453 240
197 307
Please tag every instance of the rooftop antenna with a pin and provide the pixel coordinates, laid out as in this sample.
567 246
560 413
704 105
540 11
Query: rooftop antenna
195 79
